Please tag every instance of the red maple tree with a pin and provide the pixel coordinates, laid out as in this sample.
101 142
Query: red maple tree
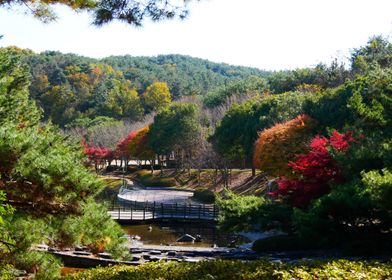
314 171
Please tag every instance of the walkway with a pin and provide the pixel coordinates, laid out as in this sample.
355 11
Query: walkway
149 212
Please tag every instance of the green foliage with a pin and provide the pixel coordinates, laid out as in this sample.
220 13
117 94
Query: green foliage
123 101
174 129
103 12
322 75
14 81
204 195
236 134
85 231
239 212
90 124
376 53
43 177
70 87
250 86
233 270
184 75
44 265
150 180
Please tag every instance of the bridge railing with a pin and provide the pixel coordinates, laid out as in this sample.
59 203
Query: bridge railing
153 210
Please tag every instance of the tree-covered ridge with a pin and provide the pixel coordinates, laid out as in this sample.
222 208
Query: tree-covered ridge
184 74
69 87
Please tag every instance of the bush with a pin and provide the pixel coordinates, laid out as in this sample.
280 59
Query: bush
277 145
230 270
204 195
237 213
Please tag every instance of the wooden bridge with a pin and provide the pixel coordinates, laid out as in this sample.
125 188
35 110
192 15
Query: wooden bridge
137 211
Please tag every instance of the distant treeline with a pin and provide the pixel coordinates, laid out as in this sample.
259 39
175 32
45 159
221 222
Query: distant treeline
71 88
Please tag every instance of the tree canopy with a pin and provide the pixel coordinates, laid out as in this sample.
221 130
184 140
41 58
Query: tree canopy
43 179
133 12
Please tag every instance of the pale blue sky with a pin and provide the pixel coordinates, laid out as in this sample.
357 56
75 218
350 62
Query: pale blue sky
278 34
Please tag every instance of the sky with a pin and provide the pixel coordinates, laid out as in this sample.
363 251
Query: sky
271 35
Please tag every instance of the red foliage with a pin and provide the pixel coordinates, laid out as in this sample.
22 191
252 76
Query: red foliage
314 170
97 154
142 147
122 148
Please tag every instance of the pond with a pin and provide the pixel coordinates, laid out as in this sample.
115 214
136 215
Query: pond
168 233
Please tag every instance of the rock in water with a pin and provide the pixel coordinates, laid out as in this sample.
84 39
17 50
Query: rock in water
186 238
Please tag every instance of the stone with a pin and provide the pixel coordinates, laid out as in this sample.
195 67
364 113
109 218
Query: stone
136 258
136 251
155 252
189 254
172 253
105 256
173 260
186 238
191 260
156 259
78 248
82 253
136 237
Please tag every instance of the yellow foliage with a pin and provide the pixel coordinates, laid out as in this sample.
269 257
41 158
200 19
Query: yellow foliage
157 96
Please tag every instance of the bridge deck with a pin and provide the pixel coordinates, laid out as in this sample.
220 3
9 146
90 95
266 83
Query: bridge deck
186 212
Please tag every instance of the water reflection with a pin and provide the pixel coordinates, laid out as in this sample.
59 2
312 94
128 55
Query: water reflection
168 233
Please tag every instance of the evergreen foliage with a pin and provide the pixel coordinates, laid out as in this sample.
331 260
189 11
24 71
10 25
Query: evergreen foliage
42 177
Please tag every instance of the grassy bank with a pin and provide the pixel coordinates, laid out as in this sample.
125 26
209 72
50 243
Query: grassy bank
233 270
240 182
111 187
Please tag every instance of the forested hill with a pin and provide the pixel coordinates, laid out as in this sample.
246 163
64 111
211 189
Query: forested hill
69 87
184 74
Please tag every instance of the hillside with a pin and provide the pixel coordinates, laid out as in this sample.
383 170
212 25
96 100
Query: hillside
70 87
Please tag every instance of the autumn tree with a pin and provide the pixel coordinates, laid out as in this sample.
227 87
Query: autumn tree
277 145
140 148
157 96
315 171
235 135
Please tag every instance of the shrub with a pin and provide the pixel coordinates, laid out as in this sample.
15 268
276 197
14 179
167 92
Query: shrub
315 170
237 270
204 195
278 144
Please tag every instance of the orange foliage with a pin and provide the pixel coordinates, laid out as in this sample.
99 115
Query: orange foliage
277 145
139 147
